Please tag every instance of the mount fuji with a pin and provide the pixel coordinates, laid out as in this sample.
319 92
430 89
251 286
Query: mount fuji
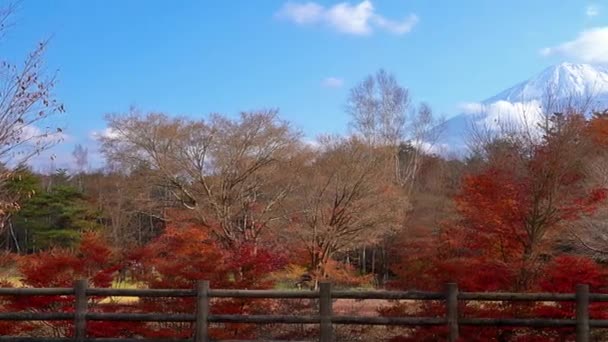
525 102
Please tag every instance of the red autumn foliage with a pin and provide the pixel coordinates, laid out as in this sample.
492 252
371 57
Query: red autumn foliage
92 260
510 213
177 259
598 129
186 254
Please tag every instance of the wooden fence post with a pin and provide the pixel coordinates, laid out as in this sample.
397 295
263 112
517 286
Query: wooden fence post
325 312
201 333
80 312
452 311
582 313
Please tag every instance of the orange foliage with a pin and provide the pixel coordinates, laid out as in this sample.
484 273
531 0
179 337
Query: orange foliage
510 212
186 254
92 260
598 129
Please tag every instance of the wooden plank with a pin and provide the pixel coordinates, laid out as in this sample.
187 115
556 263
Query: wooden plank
27 291
141 292
325 318
518 322
166 339
388 321
404 295
451 303
80 310
36 316
140 317
264 319
64 339
598 323
582 313
262 341
325 312
598 297
263 294
514 297
34 339
201 333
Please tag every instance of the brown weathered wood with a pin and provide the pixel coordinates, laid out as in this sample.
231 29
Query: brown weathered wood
582 313
26 291
325 312
164 339
105 339
140 317
598 297
33 339
404 295
264 341
518 322
325 319
399 321
36 316
80 310
141 293
201 334
264 319
512 297
598 323
263 294
451 303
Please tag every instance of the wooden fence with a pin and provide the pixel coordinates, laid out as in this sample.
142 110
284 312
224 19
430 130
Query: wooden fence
325 319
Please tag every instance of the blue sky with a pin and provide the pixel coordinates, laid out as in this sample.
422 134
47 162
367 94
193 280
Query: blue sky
197 57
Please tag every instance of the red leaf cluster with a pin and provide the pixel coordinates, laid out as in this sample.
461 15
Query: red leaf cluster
177 259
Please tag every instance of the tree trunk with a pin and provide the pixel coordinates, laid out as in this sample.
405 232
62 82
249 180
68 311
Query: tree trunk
363 268
12 232
373 260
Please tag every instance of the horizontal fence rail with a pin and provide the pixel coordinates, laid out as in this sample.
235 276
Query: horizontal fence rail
325 318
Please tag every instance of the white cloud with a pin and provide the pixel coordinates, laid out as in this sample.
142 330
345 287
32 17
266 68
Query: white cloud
500 115
332 82
397 27
106 133
356 19
592 11
353 19
305 13
434 148
520 114
471 107
591 46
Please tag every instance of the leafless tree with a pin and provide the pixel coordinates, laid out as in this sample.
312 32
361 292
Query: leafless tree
343 201
26 106
384 117
229 172
81 157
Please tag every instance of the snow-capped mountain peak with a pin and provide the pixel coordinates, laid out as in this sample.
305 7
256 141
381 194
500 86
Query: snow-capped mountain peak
525 101
561 81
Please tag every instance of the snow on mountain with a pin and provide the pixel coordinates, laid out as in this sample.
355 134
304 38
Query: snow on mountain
524 102
565 80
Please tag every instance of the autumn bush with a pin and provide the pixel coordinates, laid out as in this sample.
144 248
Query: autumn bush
185 254
524 196
91 260
177 259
